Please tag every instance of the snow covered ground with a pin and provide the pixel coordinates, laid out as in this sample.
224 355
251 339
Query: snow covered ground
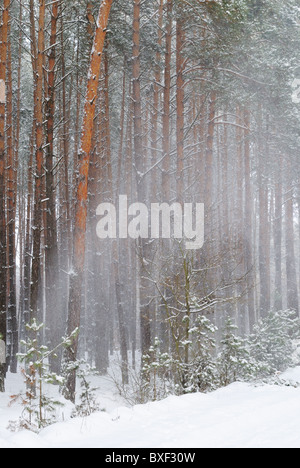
239 416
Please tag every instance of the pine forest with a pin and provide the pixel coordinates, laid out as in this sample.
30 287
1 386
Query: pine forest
149 194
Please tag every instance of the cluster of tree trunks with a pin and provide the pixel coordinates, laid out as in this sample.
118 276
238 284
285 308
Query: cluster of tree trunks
174 139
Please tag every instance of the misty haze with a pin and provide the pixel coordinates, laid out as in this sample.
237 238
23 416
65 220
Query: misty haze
149 224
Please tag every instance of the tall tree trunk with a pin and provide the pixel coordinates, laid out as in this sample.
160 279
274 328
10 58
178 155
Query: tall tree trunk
3 260
79 236
291 273
65 142
122 122
166 105
143 244
209 164
238 221
137 107
116 249
180 64
225 185
21 193
53 304
264 253
248 225
12 323
156 101
278 301
264 230
39 158
28 237
96 258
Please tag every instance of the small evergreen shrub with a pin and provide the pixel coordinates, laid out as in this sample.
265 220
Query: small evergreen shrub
272 343
234 361
39 409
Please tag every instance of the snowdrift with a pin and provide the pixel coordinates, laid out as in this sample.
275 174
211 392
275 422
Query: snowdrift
239 416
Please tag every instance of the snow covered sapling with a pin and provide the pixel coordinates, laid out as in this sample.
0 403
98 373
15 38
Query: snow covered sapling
88 403
156 371
272 343
189 368
200 371
234 361
39 409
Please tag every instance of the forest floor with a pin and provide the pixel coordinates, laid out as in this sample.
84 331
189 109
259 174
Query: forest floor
238 416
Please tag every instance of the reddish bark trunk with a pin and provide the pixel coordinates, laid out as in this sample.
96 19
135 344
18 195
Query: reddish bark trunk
79 237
